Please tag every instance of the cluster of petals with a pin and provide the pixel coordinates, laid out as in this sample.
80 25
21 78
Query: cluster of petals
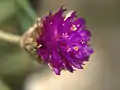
64 41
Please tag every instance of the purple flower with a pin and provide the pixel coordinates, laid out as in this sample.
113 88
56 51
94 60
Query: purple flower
63 41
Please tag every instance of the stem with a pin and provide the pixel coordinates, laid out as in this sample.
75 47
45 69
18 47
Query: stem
21 40
9 37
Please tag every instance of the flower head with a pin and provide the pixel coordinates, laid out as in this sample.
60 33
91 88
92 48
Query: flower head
63 41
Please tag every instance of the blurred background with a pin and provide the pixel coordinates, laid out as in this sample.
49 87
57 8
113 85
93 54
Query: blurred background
18 71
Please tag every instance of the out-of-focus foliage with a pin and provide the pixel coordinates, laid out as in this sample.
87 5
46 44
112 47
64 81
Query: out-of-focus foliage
26 15
19 9
3 86
16 16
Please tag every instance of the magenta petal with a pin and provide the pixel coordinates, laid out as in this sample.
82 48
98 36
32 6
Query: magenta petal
85 34
57 71
44 54
80 22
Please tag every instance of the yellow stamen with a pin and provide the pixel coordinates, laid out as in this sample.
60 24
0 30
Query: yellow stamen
73 28
76 48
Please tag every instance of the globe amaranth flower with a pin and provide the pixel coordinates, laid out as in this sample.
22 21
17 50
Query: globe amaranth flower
63 41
